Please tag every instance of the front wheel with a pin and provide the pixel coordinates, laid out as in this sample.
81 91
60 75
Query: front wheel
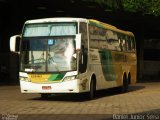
92 91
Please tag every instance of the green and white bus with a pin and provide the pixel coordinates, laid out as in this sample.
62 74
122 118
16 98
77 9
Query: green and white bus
74 55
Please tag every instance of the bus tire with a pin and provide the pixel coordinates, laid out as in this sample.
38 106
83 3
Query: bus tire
129 79
125 84
92 91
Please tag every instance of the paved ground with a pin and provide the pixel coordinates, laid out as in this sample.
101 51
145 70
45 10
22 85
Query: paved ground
141 102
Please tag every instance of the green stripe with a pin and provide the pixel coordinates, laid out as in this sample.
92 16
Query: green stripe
56 77
107 65
96 24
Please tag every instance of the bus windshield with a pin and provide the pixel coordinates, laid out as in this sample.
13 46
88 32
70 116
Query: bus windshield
49 29
48 54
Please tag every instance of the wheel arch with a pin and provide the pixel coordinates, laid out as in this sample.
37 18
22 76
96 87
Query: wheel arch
93 77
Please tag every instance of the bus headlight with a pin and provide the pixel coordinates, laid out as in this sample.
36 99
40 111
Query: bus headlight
25 79
67 78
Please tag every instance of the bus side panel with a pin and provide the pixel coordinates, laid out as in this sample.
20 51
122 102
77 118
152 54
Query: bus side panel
101 65
110 66
132 62
124 62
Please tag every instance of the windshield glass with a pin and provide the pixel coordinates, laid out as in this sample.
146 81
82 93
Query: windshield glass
48 54
49 29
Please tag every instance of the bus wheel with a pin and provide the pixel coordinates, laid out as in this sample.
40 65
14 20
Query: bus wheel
45 95
129 79
92 91
125 84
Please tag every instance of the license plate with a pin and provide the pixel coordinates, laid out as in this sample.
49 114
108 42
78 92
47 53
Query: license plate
46 87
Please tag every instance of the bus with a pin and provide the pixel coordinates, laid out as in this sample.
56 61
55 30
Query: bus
74 55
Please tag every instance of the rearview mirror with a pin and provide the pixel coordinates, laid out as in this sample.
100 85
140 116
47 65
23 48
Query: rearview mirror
78 41
15 43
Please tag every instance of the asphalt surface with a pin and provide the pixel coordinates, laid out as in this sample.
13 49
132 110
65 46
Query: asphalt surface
141 102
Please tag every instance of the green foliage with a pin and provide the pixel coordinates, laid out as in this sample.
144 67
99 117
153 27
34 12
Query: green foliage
151 7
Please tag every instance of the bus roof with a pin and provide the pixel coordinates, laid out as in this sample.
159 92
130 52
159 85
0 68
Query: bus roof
71 19
57 19
108 26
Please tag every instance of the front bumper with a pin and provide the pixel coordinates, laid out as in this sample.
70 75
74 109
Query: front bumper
60 87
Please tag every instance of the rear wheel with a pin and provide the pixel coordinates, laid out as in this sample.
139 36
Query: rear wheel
125 84
129 79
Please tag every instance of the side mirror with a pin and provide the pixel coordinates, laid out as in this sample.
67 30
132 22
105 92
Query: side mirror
15 43
78 41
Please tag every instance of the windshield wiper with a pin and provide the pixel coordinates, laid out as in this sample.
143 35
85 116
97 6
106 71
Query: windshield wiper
32 68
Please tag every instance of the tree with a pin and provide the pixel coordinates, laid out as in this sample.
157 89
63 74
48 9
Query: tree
151 7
